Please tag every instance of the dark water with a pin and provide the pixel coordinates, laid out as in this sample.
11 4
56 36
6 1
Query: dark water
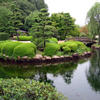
76 80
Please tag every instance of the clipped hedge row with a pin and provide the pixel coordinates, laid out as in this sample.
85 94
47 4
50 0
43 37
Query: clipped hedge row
52 40
26 49
15 49
65 48
51 49
4 36
20 89
24 38
74 47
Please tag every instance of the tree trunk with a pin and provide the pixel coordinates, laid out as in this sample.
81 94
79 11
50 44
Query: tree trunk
99 39
17 36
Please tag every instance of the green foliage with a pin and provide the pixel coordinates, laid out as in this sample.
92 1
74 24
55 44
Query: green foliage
8 47
30 20
52 40
4 36
27 89
15 49
24 38
64 24
26 49
4 18
13 14
42 28
51 49
74 47
93 20
66 49
1 45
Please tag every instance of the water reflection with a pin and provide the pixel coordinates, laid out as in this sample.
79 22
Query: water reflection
39 73
73 79
93 74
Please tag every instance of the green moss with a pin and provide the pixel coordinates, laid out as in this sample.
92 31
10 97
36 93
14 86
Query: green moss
51 49
20 89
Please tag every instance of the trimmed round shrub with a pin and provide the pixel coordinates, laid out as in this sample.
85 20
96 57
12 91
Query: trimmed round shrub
52 40
25 38
66 49
8 47
1 45
74 46
20 89
51 49
26 49
4 36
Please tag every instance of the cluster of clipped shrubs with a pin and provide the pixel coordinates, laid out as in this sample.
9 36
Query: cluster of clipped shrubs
19 49
65 48
15 49
24 38
20 89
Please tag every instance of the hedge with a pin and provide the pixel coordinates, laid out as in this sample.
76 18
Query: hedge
8 47
51 49
20 89
74 47
24 38
26 49
52 40
4 36
15 49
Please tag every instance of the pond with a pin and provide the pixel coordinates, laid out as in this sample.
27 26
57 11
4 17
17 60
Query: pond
77 80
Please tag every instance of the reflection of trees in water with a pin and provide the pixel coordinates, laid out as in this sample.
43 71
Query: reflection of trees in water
93 74
40 74
68 76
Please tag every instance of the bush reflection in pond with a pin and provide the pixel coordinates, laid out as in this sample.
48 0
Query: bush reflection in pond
38 73
93 74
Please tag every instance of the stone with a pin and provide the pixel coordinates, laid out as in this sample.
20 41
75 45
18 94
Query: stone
25 57
18 57
55 57
75 56
38 56
47 57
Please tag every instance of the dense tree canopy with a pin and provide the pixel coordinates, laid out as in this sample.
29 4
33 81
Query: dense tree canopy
64 23
93 19
41 27
20 9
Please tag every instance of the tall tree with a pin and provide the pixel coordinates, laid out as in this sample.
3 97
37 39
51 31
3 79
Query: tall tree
4 18
64 24
93 20
42 28
15 21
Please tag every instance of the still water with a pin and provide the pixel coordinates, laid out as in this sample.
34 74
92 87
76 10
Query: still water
76 80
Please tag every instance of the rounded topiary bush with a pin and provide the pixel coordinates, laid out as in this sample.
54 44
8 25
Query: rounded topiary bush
51 49
8 47
66 49
74 47
4 36
25 49
1 45
20 89
52 40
